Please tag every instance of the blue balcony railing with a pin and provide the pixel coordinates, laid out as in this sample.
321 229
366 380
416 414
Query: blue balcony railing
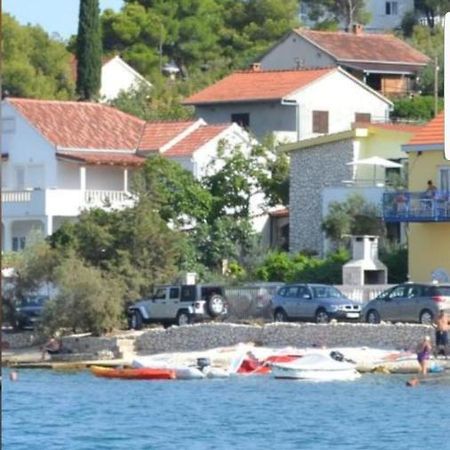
416 207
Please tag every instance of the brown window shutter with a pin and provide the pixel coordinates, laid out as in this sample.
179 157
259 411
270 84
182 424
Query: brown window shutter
320 121
363 117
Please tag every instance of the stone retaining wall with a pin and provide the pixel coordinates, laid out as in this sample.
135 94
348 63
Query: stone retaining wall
23 339
205 336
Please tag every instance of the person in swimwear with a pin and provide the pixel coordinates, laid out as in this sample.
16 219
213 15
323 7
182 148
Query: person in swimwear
423 354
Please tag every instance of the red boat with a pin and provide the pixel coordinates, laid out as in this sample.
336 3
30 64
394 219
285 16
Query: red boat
254 366
133 374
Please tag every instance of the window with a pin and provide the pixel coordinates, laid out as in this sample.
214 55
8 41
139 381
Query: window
391 8
242 119
320 121
444 173
18 243
174 293
362 117
8 125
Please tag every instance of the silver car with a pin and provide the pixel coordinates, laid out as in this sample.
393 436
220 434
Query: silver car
408 302
318 302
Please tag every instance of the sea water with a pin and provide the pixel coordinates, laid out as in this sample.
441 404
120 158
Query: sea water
76 411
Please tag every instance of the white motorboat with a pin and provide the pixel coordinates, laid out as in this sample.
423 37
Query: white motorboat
316 367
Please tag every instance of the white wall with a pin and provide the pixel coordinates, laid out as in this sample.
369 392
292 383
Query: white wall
104 178
68 175
117 76
380 21
342 97
295 52
27 150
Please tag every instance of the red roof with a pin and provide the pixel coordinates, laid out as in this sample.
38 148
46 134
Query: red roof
364 47
257 85
157 134
284 212
103 158
196 140
81 125
431 133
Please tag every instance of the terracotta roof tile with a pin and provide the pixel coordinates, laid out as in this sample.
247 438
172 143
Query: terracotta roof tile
365 47
81 125
430 133
157 134
103 158
196 140
257 85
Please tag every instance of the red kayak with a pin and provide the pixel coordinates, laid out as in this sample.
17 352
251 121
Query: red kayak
133 374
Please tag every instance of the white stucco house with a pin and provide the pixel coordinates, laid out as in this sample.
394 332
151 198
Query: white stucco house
290 104
59 158
116 76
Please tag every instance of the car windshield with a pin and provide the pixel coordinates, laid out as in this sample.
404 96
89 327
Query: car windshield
326 292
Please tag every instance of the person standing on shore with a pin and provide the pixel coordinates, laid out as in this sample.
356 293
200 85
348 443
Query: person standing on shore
423 354
442 327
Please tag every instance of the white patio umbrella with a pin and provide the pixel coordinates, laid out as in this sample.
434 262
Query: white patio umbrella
375 161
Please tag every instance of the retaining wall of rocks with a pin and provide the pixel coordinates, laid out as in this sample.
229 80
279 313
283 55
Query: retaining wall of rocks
23 339
205 336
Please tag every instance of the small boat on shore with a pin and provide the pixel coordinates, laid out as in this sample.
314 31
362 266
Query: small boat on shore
134 373
315 367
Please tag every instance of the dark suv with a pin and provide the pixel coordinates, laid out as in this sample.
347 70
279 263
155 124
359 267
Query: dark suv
179 304
29 311
408 302
318 302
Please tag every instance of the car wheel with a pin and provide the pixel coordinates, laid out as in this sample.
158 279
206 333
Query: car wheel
372 317
426 317
216 305
183 318
322 316
136 321
280 316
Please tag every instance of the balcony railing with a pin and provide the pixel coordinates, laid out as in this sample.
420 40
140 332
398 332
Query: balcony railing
416 207
16 196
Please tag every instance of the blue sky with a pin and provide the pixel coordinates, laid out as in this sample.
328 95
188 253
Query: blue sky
55 16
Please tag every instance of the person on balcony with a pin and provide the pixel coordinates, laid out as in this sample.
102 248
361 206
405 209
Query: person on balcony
431 190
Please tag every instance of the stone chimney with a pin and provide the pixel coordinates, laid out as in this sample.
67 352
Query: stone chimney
256 67
357 29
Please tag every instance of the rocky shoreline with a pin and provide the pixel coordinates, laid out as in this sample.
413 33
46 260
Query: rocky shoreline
205 336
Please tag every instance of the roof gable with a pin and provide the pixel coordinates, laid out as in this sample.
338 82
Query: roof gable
157 134
364 47
195 140
81 125
257 86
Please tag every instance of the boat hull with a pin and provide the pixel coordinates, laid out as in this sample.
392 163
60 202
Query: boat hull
134 374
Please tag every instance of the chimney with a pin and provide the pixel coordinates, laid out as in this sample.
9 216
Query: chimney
357 29
256 67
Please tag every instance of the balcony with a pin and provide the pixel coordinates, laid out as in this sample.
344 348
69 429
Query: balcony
61 202
416 207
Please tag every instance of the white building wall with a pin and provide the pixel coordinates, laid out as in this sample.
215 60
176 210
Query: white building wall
380 21
342 97
293 53
68 175
28 152
117 76
104 178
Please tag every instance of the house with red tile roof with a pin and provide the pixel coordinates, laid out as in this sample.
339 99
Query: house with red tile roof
290 104
325 169
427 212
382 61
61 157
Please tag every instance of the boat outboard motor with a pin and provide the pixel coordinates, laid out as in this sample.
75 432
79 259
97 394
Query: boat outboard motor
203 362
338 356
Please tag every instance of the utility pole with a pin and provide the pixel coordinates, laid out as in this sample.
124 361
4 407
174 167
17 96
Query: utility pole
436 84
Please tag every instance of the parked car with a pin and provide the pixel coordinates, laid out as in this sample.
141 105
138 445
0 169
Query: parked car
179 304
29 311
318 302
408 302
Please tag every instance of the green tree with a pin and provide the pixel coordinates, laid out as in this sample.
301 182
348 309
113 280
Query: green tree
33 64
88 299
347 11
420 108
352 217
89 50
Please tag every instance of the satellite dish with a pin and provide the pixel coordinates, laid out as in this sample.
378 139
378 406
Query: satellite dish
440 275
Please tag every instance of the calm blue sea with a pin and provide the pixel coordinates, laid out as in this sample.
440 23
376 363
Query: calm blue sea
50 410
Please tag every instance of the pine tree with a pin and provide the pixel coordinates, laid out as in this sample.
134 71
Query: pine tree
89 50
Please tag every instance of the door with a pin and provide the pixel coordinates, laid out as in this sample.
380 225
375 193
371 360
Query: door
158 304
410 307
393 304
306 303
290 301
